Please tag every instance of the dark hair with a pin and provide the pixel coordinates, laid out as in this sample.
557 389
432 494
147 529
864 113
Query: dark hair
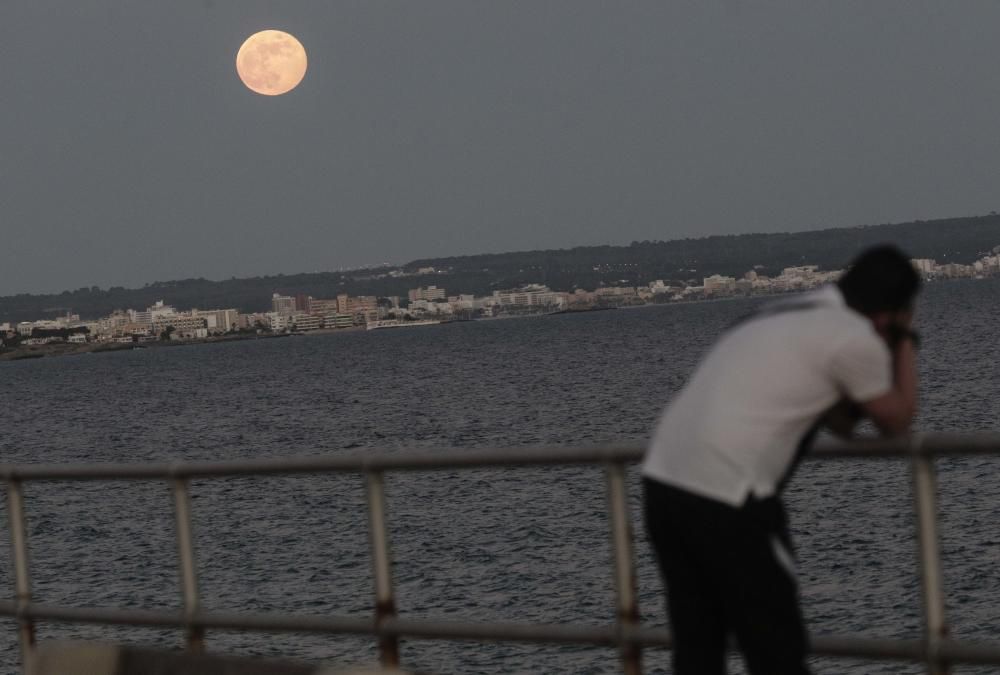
881 279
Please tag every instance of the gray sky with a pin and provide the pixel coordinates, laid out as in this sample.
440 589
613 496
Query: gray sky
131 152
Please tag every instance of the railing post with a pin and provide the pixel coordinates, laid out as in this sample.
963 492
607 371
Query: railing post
385 606
621 541
22 578
186 561
932 588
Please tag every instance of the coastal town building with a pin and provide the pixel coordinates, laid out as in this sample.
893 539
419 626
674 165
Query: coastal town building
429 293
615 291
580 297
130 330
184 326
143 317
532 295
334 320
282 304
718 285
418 307
219 320
302 321
160 310
465 302
322 307
658 287
278 321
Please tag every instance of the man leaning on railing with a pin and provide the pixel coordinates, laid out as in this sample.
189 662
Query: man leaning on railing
727 443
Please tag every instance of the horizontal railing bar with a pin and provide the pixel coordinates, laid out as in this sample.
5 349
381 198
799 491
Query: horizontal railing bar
883 649
606 636
180 619
931 444
600 635
954 651
352 463
940 445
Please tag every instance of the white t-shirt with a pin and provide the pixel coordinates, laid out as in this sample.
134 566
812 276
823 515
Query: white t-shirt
735 427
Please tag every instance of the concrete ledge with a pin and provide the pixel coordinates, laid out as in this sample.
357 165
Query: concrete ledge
79 658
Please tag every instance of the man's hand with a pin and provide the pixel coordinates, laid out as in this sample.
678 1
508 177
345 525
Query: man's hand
894 326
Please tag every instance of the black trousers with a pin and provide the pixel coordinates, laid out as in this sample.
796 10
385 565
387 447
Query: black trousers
728 571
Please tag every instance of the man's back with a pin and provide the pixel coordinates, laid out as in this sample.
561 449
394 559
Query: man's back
735 426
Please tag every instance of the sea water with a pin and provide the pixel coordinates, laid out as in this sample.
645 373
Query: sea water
526 545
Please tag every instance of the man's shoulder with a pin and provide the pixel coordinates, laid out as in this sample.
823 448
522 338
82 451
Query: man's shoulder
813 326
810 313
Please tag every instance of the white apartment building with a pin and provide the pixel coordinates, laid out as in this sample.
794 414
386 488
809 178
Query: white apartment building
70 320
429 293
335 320
112 322
924 265
303 321
430 307
801 271
718 284
533 295
282 304
322 307
219 320
160 310
278 321
615 291
182 325
991 263
463 302
145 318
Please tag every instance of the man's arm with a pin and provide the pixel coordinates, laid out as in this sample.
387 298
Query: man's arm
893 412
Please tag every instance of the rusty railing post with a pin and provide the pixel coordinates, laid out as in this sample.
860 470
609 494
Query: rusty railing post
188 568
621 542
385 606
932 587
22 578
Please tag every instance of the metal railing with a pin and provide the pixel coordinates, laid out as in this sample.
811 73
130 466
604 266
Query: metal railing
935 649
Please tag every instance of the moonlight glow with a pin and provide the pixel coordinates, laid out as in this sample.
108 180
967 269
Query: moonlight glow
271 62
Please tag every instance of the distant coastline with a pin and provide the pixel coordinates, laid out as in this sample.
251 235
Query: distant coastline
677 262
28 352
68 349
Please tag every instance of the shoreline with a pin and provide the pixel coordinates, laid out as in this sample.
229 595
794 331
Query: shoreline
66 349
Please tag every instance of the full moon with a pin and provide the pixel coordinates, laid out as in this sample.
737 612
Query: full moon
271 62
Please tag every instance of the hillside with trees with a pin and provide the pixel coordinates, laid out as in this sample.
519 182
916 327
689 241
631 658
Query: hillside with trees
950 240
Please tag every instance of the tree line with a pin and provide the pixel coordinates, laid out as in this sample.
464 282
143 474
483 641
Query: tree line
949 240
